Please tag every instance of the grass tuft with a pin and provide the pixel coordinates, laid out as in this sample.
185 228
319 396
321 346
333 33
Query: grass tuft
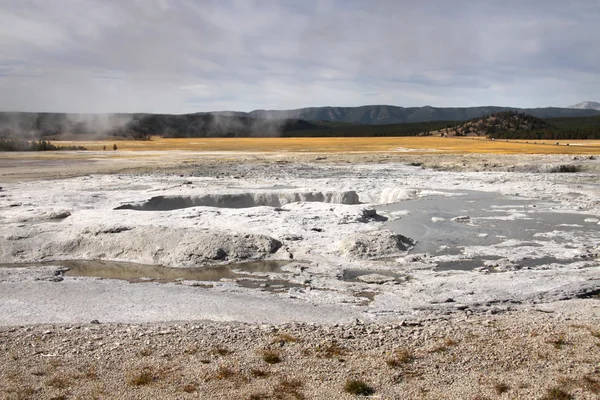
557 341
220 351
501 388
189 388
59 382
285 338
289 389
145 377
557 393
271 356
331 350
259 373
358 387
399 358
224 372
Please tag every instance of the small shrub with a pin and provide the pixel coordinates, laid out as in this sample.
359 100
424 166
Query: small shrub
145 352
289 388
220 351
271 356
259 373
565 168
224 372
358 387
331 350
590 384
501 388
557 393
145 377
285 338
59 382
259 396
400 357
558 342
189 388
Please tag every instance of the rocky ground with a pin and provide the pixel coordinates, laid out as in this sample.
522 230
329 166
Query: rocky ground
518 355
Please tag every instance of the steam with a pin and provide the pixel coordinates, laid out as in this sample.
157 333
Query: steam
25 125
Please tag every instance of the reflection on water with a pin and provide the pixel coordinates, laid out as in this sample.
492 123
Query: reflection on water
133 272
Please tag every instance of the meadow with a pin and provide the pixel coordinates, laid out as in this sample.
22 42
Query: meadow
417 145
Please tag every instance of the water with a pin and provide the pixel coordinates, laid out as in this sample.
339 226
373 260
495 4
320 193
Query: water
133 272
523 219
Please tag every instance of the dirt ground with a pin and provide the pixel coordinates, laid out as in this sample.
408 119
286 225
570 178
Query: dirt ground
533 355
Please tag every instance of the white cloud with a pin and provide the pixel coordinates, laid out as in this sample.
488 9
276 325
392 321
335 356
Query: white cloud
186 56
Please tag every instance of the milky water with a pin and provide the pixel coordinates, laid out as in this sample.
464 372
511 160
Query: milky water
492 219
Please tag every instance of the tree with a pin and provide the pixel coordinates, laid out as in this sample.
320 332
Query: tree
115 146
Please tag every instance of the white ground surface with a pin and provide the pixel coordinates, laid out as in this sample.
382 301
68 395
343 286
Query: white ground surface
76 218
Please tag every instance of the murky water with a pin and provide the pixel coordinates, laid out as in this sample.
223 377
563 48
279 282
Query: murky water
493 219
479 262
133 272
352 274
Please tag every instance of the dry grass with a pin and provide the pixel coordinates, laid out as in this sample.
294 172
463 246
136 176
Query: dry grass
558 341
270 356
285 338
220 351
59 382
399 358
145 376
344 145
557 393
358 387
289 389
501 388
331 350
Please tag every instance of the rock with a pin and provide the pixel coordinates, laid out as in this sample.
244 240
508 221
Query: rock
95 322
146 244
375 244
376 278
461 218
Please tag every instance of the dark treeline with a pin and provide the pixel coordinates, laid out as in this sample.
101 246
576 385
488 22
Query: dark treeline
518 125
580 128
39 145
505 125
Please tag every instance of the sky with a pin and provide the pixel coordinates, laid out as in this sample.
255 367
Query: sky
182 56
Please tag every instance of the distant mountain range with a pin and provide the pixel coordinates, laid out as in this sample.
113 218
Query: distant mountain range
385 114
586 105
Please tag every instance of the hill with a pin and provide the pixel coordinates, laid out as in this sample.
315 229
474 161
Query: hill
587 105
517 125
385 114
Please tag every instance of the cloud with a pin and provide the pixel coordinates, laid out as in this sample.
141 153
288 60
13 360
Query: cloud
182 56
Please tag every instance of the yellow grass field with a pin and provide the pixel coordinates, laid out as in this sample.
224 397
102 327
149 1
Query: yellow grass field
417 145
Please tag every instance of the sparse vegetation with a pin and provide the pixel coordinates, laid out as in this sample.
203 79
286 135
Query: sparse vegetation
59 382
145 352
259 373
220 351
358 387
399 358
146 376
331 350
289 389
285 338
557 393
224 372
558 341
501 388
271 356
189 388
